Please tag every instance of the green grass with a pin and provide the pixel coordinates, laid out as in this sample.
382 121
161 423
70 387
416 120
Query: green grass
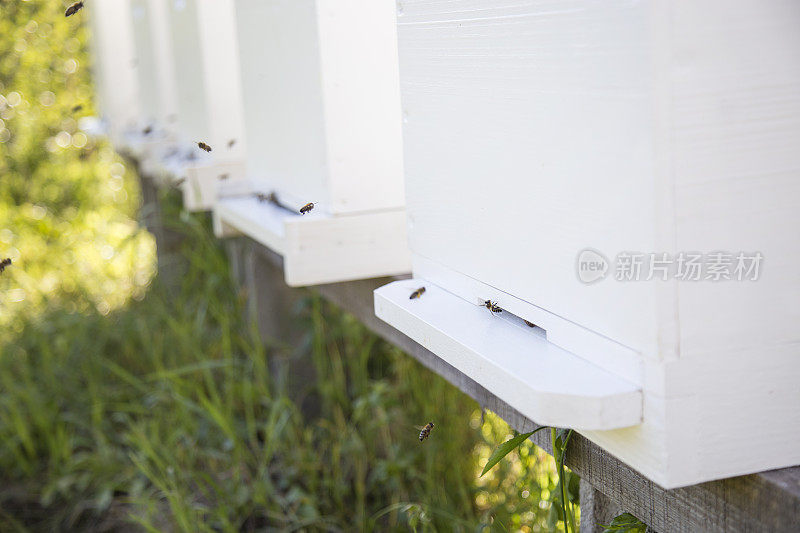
128 405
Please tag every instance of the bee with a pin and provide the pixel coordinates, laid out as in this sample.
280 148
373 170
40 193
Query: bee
425 431
77 108
231 143
74 8
492 306
529 324
223 177
4 263
148 130
271 198
417 293
204 146
306 208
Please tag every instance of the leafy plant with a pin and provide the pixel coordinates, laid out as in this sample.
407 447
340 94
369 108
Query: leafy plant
625 523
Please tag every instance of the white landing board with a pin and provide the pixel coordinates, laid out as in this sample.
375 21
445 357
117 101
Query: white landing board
318 247
513 360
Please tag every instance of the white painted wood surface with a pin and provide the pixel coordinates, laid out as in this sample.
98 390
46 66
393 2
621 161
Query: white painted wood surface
154 66
321 90
317 247
502 353
534 130
207 75
114 66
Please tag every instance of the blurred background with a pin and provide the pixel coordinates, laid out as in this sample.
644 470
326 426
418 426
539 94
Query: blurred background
128 403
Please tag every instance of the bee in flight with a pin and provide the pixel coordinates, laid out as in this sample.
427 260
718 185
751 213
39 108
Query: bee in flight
74 8
223 177
148 130
204 146
231 143
306 208
425 431
417 293
4 263
77 108
492 306
271 198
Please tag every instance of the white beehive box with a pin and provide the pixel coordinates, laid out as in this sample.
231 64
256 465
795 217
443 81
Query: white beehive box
534 131
205 63
114 55
154 127
323 121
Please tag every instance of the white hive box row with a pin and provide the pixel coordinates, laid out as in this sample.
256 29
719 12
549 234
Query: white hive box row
535 130
320 87
168 78
526 151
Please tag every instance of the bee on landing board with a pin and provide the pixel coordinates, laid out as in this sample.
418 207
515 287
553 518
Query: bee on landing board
74 8
492 306
425 431
4 263
306 208
204 146
417 293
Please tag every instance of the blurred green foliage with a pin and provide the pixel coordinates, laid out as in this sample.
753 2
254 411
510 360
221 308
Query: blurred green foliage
67 201
127 406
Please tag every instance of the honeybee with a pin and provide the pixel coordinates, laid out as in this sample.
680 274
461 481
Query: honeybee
77 108
4 263
223 177
306 208
231 143
271 198
417 293
529 324
492 306
425 431
148 130
204 146
74 8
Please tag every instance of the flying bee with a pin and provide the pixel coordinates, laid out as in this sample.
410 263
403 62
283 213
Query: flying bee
417 293
74 8
231 143
492 306
77 108
306 208
4 263
223 177
425 431
271 198
204 146
529 324
148 130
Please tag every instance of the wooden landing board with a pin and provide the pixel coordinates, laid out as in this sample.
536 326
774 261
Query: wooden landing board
544 382
319 247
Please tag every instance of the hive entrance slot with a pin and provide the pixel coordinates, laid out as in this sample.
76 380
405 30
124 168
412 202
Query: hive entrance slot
498 311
